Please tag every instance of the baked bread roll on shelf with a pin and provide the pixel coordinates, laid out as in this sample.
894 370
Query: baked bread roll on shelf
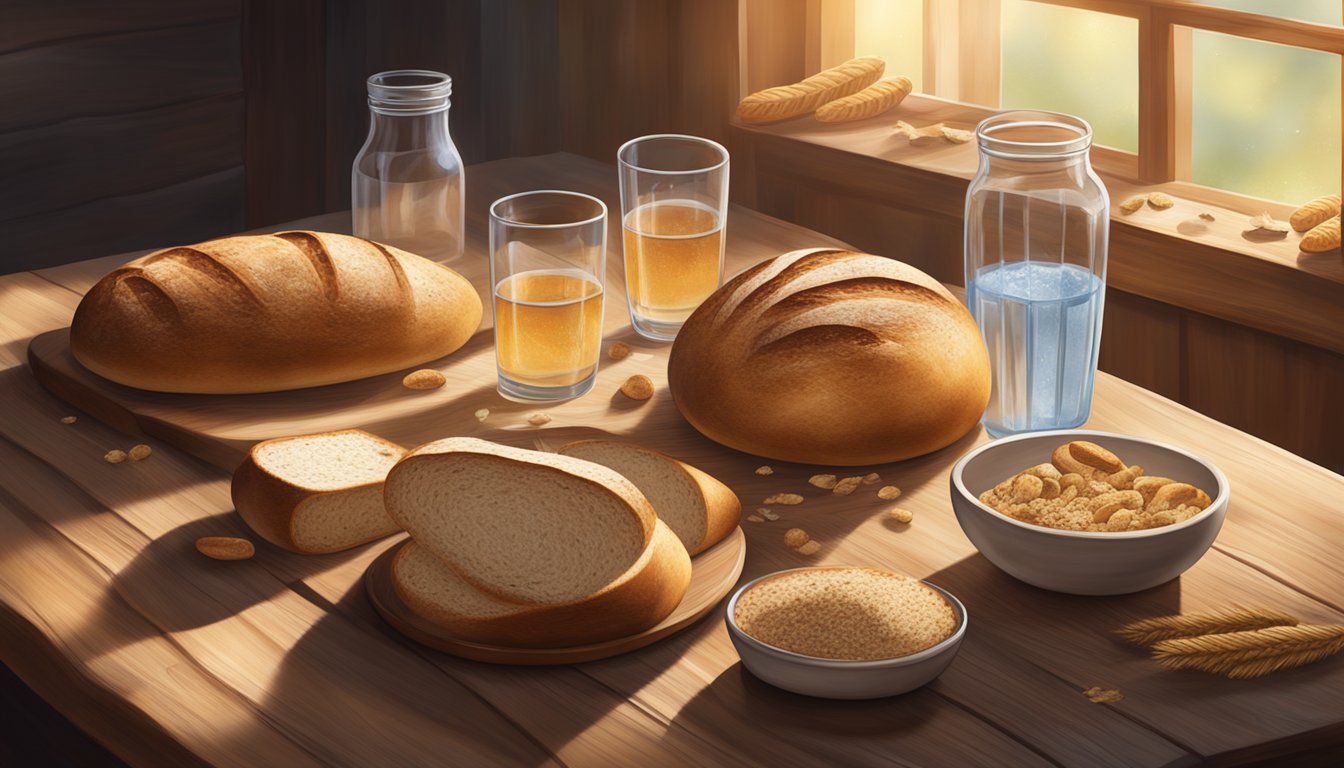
785 101
831 357
319 493
699 509
646 593
270 312
870 102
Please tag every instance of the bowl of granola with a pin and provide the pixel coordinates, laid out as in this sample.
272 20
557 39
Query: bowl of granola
1088 513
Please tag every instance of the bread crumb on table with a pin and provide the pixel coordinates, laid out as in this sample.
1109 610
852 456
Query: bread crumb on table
482 413
765 470
767 513
787 499
638 387
847 486
618 351
901 515
225 547
888 492
139 452
68 419
796 537
114 456
825 482
423 379
809 548
537 419
755 519
1099 695
870 478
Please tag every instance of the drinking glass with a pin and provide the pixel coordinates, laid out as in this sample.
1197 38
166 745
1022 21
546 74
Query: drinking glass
1037 220
547 260
674 201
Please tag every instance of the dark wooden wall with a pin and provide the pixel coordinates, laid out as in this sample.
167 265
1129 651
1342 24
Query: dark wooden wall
154 122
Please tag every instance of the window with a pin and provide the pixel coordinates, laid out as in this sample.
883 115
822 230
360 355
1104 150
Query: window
1242 95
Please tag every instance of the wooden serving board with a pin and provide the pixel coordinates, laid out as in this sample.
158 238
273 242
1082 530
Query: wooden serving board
221 428
713 574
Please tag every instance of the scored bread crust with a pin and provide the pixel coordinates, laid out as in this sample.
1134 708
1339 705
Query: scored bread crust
723 509
594 476
787 101
831 357
266 313
640 598
269 504
871 101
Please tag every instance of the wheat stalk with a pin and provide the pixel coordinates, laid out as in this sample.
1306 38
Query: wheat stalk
1149 631
1251 653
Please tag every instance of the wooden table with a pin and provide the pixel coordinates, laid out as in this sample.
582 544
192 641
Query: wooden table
168 658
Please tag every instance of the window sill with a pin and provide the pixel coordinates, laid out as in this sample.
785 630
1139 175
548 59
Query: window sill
1216 268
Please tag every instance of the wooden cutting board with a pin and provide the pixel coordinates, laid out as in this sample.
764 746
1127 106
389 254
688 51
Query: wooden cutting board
221 428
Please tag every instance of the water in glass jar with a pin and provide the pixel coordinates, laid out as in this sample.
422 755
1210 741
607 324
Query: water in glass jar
1042 323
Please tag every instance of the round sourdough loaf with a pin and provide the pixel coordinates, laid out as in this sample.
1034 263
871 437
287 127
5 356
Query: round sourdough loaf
831 357
270 312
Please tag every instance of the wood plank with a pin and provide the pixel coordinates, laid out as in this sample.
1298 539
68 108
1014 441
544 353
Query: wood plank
1157 97
703 34
1141 343
283 59
520 94
87 159
118 74
30 23
775 35
188 212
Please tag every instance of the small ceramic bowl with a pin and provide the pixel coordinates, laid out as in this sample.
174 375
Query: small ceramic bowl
836 678
1083 562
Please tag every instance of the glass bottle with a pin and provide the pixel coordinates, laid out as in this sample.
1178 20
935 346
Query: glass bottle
1037 222
407 186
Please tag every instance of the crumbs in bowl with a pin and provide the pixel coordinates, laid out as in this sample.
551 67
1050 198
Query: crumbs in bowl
1085 487
854 614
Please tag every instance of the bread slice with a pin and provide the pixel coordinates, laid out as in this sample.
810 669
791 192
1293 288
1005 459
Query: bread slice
638 599
317 493
698 508
522 526
856 614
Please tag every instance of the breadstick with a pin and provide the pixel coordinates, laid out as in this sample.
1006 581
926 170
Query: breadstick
788 101
873 100
1314 213
1322 237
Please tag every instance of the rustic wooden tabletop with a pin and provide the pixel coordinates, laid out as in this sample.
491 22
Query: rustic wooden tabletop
165 657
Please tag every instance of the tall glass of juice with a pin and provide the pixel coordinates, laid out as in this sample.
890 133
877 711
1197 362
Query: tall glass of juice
547 260
674 202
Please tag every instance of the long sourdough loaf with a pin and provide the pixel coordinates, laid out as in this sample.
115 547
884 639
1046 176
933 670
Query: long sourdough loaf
317 493
785 101
635 600
831 357
698 508
270 312
522 526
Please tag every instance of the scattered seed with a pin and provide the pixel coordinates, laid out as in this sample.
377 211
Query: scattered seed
1206 216
1267 222
225 547
423 379
1103 695
618 351
901 515
787 499
767 513
537 419
870 478
114 456
810 548
1133 204
847 486
957 135
826 482
755 519
481 413
888 492
796 537
67 419
1160 201
638 387
765 470
139 452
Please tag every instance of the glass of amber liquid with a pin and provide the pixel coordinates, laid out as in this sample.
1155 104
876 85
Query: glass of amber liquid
547 259
674 200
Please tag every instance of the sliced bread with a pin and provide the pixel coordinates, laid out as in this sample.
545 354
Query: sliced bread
522 526
317 493
698 508
638 599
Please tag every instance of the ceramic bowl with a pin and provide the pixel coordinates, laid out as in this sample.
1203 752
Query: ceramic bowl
839 679
1082 562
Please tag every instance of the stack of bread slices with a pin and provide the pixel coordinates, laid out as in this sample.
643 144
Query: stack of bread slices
508 546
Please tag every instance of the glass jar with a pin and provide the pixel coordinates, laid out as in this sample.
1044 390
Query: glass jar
407 188
1037 221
